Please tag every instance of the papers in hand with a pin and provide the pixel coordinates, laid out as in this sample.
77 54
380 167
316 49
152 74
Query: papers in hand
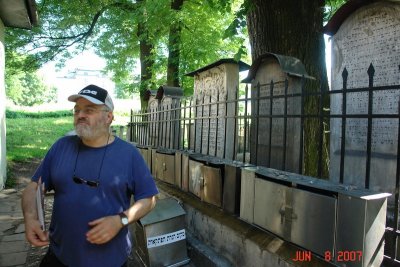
40 203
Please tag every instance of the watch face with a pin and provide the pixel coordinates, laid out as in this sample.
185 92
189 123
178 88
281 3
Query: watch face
124 221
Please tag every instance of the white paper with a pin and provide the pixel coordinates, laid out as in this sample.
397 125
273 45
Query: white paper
40 203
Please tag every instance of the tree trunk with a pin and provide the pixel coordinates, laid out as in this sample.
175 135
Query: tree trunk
174 47
146 59
294 28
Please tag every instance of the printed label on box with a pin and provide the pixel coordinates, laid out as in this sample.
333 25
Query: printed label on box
166 239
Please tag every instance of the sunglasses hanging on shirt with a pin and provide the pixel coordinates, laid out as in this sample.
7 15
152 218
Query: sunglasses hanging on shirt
90 183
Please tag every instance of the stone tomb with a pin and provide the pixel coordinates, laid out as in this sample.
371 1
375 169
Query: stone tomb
169 116
214 127
368 34
267 144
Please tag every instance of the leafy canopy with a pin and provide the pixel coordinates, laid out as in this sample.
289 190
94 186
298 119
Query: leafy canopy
111 28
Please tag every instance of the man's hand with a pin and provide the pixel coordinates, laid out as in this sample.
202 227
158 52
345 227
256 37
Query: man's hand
104 229
33 231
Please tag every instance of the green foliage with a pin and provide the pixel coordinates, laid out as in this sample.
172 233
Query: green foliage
29 137
331 6
123 91
111 27
11 114
210 30
27 88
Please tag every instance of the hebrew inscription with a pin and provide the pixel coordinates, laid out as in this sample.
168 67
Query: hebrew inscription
371 35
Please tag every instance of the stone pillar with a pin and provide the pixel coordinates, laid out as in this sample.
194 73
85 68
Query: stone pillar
215 90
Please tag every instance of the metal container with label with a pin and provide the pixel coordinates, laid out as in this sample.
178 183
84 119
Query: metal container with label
161 237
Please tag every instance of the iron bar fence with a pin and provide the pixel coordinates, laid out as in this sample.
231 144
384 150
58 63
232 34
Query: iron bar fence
265 123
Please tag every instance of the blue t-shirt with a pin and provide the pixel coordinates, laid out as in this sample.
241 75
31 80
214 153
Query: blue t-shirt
123 174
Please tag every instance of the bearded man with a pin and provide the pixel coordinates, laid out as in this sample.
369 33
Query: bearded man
94 175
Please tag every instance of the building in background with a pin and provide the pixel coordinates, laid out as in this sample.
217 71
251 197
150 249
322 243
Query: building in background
73 80
14 14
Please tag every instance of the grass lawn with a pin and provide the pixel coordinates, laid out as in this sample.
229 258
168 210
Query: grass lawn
31 137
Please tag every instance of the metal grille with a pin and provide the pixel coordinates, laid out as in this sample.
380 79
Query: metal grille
177 125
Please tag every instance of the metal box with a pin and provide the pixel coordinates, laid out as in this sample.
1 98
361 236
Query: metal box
178 169
342 221
314 221
299 216
232 186
364 218
206 178
247 194
153 160
165 165
146 154
161 237
195 177
211 190
185 172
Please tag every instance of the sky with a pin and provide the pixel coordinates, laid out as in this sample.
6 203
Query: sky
86 60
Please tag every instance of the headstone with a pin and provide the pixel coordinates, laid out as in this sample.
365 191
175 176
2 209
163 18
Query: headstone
152 108
169 116
215 89
370 34
269 75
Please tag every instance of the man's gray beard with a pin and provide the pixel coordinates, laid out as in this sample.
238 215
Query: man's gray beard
85 131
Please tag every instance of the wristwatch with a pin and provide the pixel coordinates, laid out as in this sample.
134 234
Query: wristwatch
124 219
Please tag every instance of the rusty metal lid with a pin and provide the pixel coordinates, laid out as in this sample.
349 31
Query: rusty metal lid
165 209
148 93
313 184
290 65
171 91
166 151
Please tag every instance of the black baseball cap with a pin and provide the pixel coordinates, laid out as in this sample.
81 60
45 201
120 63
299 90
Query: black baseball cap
94 94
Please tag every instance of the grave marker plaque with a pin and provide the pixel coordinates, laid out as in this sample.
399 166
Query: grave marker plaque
369 35
169 118
214 85
268 146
